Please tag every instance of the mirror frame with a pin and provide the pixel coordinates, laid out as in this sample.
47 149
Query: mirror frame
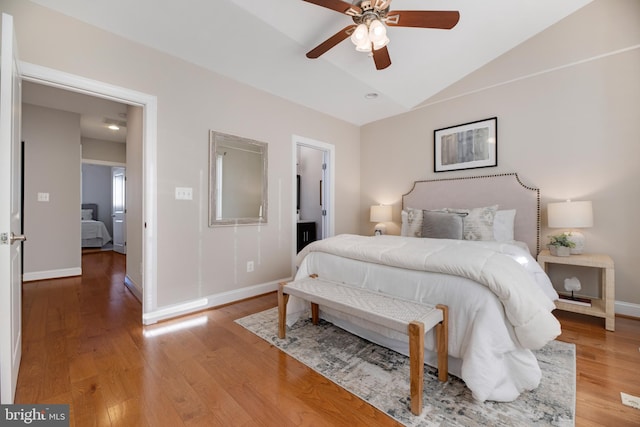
232 141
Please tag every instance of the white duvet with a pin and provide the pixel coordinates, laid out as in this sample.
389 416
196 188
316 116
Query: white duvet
499 299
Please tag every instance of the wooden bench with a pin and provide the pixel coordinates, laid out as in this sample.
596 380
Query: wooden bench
408 317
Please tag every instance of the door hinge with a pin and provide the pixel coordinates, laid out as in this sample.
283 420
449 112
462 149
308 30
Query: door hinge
324 166
4 238
324 212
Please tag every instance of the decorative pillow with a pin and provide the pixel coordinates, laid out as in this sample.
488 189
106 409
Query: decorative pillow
478 224
503 225
442 225
411 222
87 214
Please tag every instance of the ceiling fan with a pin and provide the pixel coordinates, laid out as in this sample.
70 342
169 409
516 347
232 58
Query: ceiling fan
368 31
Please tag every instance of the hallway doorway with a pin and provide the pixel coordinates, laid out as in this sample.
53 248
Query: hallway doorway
142 271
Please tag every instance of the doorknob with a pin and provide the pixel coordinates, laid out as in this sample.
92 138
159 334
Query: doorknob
13 238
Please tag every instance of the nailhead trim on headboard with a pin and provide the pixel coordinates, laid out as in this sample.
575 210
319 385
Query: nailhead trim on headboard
514 174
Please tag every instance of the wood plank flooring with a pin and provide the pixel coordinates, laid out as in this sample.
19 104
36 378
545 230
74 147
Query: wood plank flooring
84 345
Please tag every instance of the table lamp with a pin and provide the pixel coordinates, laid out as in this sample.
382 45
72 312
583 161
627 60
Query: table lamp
571 215
380 214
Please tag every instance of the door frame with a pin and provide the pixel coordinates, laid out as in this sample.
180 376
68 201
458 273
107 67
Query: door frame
328 186
149 103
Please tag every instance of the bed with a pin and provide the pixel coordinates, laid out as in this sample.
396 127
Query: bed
500 301
94 233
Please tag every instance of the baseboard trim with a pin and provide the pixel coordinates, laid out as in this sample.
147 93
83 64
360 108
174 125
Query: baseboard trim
210 301
51 274
133 287
627 309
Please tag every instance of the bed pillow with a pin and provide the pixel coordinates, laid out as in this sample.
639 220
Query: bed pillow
478 223
411 222
87 214
442 225
503 225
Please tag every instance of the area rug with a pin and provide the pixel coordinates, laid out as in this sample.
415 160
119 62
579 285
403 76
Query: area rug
381 377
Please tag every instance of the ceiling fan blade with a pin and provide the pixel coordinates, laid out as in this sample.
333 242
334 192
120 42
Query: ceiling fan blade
338 6
381 58
331 42
443 19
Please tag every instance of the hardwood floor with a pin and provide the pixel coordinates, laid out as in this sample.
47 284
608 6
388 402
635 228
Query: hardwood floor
84 345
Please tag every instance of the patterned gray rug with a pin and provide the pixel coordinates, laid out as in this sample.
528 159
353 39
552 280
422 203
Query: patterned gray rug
381 377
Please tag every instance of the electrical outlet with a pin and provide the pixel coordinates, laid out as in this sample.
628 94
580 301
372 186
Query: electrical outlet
43 197
249 266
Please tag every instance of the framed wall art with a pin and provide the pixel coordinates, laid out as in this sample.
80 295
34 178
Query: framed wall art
466 146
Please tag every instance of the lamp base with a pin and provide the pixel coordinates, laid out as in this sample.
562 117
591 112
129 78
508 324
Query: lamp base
578 239
380 229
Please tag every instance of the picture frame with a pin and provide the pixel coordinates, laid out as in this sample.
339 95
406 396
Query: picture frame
467 146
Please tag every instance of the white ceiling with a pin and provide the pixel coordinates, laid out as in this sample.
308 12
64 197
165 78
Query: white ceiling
263 43
94 112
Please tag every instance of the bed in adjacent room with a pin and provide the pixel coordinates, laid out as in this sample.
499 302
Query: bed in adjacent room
500 301
94 233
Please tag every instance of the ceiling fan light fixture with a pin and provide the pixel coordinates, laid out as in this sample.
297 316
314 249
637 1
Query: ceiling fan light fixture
380 44
377 31
360 35
365 46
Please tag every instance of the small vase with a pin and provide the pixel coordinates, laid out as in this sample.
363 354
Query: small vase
559 250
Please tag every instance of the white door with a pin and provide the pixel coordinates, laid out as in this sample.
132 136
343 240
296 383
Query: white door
10 214
118 210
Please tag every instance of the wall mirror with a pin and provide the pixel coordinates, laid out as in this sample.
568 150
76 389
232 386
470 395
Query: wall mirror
237 180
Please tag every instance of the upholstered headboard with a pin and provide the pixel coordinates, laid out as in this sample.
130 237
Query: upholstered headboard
504 190
93 207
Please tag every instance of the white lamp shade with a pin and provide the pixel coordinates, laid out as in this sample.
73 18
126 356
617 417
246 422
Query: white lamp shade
377 31
570 214
380 44
380 213
365 46
360 34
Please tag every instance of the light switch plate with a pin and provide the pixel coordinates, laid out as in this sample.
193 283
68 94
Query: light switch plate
184 193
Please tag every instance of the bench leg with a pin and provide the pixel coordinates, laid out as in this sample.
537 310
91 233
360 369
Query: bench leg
416 365
442 344
282 310
315 313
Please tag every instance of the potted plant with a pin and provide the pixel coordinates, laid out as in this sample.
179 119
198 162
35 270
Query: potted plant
560 245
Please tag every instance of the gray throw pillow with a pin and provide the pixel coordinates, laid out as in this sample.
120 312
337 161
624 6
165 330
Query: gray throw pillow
442 225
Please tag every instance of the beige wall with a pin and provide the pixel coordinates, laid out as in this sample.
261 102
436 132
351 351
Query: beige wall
52 165
193 259
103 151
568 104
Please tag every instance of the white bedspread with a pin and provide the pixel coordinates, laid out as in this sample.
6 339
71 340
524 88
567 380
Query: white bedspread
527 307
95 230
490 333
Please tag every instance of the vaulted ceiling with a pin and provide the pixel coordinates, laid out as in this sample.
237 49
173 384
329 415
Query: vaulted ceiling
263 43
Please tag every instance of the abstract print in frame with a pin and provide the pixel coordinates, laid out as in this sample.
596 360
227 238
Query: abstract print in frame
466 146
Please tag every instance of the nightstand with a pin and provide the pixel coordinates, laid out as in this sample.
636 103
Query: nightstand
600 307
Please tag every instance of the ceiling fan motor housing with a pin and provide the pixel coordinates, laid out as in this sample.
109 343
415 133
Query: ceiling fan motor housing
370 10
